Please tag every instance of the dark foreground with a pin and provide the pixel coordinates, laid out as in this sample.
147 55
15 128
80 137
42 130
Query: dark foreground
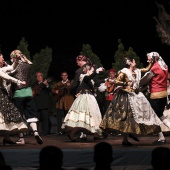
80 154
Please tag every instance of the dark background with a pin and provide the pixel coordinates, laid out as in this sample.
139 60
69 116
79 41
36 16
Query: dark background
65 25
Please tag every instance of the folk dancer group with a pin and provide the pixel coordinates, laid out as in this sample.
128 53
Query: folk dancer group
129 112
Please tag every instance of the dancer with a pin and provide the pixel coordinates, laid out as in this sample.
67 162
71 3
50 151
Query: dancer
158 90
23 97
130 112
81 61
11 121
84 114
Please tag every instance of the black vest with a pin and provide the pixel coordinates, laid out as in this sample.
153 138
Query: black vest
22 73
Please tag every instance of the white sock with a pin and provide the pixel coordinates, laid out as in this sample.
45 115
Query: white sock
161 136
166 122
33 125
81 136
21 139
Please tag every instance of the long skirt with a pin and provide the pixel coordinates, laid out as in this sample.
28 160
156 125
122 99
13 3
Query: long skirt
122 117
11 120
84 113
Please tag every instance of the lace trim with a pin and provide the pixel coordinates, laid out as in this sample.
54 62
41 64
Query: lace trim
142 111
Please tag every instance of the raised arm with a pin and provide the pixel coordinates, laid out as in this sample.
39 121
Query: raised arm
147 68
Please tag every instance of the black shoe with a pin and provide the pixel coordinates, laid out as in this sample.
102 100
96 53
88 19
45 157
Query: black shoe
127 143
8 142
134 137
159 142
38 139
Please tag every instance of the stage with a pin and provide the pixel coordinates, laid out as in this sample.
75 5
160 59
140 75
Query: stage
80 154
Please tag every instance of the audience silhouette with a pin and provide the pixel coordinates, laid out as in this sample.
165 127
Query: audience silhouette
103 156
51 157
160 158
3 165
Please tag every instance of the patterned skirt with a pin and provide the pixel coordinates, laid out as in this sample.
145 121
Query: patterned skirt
120 117
10 118
84 113
166 114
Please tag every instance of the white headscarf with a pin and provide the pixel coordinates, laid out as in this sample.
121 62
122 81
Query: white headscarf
161 62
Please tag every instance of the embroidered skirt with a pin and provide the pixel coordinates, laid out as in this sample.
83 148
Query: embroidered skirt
10 118
121 116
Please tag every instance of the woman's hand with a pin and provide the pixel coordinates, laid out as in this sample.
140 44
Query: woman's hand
21 82
99 69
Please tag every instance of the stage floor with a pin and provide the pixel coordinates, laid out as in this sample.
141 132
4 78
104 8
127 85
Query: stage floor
63 142
80 154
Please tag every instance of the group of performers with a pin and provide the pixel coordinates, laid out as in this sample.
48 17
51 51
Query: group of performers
129 112
126 110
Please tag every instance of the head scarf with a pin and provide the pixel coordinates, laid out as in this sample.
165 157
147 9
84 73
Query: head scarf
161 62
18 53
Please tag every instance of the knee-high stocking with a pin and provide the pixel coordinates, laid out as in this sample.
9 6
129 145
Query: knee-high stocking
165 121
33 125
161 136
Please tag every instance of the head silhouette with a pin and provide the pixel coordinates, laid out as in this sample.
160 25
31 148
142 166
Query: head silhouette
103 154
2 160
51 157
3 165
160 158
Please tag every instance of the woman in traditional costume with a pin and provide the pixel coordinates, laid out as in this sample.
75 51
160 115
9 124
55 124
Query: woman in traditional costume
84 114
11 121
130 112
